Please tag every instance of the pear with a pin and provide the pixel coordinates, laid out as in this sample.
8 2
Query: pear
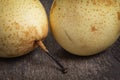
85 27
22 24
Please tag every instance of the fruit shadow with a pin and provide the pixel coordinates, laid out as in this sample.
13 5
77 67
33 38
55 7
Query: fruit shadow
26 57
65 55
12 60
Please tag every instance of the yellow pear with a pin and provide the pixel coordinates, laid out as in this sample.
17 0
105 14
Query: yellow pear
22 24
85 27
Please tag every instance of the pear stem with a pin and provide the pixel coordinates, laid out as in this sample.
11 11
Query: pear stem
64 70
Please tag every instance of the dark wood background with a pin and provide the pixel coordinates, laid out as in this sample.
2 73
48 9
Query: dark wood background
38 66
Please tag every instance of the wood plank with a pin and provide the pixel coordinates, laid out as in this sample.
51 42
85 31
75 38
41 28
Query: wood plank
38 66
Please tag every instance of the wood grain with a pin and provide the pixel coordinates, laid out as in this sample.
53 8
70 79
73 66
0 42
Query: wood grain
38 66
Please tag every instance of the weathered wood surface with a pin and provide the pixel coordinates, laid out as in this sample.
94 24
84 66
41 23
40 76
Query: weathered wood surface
37 66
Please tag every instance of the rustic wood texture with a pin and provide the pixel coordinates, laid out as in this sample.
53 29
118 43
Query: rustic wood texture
38 66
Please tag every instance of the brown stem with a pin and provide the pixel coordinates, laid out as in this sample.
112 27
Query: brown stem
40 43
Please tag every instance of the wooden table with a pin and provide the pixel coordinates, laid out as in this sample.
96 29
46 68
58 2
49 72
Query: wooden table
38 66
